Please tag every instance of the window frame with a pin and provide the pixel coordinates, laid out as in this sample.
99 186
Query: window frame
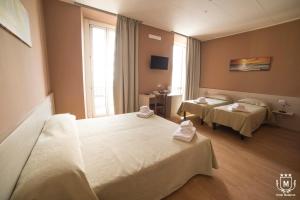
183 69
87 64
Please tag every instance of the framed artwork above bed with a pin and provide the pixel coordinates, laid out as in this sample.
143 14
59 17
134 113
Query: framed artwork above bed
14 18
250 64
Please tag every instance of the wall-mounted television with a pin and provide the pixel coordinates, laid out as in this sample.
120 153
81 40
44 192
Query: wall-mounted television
159 62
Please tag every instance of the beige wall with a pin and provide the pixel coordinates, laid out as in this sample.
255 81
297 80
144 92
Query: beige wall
64 46
282 42
23 72
149 78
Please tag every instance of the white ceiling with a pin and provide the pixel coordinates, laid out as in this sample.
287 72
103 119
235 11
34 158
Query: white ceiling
203 19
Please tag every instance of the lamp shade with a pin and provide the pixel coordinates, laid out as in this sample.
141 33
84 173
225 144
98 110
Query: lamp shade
282 102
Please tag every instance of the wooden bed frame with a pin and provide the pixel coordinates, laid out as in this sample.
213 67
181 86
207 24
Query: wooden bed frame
16 148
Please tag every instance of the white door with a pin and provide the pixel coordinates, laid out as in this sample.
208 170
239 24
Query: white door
99 69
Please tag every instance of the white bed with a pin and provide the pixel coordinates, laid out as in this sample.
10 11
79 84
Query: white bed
202 109
257 113
127 157
118 157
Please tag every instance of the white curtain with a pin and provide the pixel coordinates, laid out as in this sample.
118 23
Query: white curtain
126 66
192 69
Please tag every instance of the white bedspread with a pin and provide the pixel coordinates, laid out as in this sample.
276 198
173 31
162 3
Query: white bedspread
202 109
127 157
244 122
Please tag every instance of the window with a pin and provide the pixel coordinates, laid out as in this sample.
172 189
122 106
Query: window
99 68
179 64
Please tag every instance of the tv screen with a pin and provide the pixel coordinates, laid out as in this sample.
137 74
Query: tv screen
159 62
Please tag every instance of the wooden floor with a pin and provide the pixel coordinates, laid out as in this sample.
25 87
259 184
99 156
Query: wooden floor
248 169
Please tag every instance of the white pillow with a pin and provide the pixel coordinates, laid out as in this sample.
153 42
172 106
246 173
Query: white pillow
55 168
219 96
253 101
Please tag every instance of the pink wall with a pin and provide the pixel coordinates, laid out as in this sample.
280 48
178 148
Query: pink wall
282 42
64 39
149 78
23 77
64 46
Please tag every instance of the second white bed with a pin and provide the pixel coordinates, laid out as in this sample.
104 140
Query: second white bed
256 113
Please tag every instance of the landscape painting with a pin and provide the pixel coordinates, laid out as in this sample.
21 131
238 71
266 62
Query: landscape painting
250 64
14 18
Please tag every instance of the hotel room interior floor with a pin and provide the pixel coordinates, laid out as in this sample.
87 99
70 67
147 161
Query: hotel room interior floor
248 169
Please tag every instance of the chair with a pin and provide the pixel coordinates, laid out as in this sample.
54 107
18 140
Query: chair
160 102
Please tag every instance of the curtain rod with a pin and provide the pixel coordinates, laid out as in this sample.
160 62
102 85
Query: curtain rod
100 10
97 9
180 34
185 35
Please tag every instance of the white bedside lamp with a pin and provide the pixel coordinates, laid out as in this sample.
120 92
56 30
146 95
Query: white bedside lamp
159 86
283 105
205 93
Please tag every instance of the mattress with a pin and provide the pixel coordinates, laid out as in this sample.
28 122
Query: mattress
200 110
244 122
127 157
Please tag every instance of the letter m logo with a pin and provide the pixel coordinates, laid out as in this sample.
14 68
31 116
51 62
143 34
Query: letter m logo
286 184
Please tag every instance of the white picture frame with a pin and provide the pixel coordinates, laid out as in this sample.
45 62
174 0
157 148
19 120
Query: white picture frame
14 18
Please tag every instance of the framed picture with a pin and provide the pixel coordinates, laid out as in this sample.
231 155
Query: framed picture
14 18
250 64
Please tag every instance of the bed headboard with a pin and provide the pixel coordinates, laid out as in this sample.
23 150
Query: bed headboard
16 148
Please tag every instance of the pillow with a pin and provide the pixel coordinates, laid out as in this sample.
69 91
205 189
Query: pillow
253 101
219 96
55 168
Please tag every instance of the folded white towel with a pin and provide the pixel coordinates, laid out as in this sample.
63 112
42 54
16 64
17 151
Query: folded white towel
145 114
144 109
200 100
187 123
236 107
187 130
186 137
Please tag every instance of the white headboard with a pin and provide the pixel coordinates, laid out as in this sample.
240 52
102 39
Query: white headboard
16 148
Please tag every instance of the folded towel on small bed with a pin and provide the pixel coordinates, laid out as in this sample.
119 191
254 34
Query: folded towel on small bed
187 123
145 114
185 132
144 109
236 107
186 136
200 100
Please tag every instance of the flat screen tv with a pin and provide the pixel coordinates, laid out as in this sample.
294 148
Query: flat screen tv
159 62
